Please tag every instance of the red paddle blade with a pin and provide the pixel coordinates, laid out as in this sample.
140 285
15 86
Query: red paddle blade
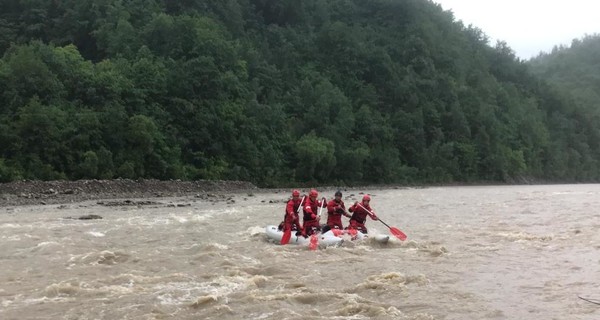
287 234
398 234
314 242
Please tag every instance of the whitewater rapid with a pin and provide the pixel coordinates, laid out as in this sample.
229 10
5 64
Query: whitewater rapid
493 252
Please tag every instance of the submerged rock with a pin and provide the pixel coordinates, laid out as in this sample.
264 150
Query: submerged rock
86 217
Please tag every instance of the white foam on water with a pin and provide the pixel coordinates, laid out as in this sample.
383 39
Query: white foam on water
185 218
390 280
177 293
96 234
116 289
33 301
366 310
264 315
14 237
524 237
62 289
354 317
44 299
217 212
129 280
10 225
6 303
192 246
105 257
75 288
148 221
563 193
256 230
201 217
213 246
46 244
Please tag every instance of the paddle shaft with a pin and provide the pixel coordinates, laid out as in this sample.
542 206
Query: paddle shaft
371 213
384 223
314 239
322 205
300 206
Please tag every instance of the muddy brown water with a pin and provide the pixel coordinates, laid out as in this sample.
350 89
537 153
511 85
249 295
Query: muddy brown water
494 252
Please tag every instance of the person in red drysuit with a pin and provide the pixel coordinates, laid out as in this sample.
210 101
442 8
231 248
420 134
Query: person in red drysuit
311 217
291 220
335 210
359 214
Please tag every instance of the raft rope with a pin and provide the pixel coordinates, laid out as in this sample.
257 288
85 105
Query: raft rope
594 301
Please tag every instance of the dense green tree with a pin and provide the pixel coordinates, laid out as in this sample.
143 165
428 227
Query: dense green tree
284 92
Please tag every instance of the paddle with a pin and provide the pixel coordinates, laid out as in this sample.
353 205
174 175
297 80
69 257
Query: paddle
314 239
594 301
287 233
395 231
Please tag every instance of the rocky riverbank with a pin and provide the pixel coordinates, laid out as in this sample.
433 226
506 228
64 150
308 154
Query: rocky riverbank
53 192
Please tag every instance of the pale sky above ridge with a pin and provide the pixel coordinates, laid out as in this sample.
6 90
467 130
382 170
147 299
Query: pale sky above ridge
528 26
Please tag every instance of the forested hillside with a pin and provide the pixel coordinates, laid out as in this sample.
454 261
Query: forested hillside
276 92
575 70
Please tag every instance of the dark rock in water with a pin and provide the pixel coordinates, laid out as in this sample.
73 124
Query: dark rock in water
90 217
128 203
85 217
179 205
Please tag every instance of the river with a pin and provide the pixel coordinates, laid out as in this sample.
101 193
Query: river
484 252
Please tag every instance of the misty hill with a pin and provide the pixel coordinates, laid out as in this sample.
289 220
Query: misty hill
276 92
575 69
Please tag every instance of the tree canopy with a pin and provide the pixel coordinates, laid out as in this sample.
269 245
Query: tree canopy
284 91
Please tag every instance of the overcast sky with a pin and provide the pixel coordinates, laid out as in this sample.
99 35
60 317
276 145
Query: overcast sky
529 26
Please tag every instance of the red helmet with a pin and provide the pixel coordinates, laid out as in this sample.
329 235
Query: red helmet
313 193
366 197
295 193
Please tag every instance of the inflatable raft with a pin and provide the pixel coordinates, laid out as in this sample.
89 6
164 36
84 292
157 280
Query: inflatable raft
330 238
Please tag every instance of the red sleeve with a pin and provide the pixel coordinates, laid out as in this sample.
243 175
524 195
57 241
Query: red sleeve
289 209
307 208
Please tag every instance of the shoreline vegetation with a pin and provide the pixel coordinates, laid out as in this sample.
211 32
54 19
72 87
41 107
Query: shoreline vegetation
35 192
288 92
